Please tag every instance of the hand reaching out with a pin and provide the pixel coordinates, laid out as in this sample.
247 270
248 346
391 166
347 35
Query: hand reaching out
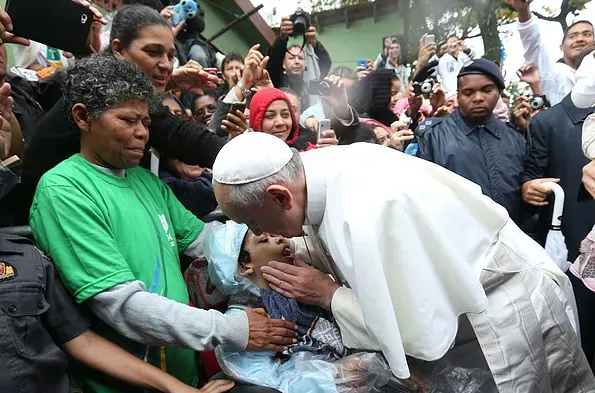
192 78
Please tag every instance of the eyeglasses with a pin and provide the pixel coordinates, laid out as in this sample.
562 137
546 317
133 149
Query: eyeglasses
203 111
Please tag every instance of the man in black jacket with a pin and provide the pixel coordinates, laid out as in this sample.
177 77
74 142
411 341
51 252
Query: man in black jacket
474 144
287 66
556 155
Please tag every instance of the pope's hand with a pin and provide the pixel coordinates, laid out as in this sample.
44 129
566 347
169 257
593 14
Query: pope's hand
301 282
267 334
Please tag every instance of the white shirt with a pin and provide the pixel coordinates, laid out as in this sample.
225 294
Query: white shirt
558 78
412 249
449 68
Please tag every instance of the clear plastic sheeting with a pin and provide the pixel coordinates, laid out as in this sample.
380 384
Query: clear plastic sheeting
306 372
8 179
442 377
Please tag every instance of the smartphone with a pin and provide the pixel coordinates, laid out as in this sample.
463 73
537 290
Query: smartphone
60 24
323 125
362 63
238 106
430 39
212 71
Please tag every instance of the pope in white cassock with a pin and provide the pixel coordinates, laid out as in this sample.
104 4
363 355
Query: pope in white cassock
421 248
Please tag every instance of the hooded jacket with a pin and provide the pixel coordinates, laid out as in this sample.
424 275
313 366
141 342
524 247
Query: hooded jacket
258 107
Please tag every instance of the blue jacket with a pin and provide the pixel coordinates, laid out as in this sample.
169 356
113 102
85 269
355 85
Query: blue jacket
491 156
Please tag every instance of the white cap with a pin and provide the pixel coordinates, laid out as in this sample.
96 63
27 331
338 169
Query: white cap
583 92
250 157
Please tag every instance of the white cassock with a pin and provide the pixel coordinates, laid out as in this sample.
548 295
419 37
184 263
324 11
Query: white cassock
420 246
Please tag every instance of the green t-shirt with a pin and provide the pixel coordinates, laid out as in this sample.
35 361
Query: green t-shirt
102 230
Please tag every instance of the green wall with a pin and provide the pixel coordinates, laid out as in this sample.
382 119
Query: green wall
239 39
363 38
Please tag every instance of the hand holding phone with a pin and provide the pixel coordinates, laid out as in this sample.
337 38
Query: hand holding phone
37 20
430 39
323 125
362 63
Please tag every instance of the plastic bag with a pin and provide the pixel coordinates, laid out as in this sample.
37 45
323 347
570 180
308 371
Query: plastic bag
306 372
442 377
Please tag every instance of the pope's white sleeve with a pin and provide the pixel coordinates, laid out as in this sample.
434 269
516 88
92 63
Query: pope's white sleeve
348 314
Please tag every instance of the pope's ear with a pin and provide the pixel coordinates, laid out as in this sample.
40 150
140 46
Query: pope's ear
280 195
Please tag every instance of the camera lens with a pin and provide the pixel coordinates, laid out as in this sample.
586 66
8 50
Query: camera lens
537 103
426 88
324 89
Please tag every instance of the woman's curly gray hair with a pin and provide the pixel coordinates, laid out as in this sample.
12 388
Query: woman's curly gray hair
101 82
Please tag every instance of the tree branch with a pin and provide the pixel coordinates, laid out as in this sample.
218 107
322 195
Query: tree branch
545 17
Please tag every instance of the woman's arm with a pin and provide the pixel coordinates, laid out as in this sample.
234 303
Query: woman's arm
95 351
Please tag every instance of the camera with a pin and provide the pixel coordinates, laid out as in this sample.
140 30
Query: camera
319 88
539 102
423 88
301 22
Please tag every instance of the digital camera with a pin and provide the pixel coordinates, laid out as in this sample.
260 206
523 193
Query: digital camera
319 88
539 102
301 22
423 88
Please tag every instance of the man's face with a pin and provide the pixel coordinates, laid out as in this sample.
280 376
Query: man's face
118 137
231 71
452 46
577 38
281 212
478 96
394 51
294 62
204 108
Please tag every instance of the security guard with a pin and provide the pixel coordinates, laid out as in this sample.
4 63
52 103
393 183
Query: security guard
37 315
472 143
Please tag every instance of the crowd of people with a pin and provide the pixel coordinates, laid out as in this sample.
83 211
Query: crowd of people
266 222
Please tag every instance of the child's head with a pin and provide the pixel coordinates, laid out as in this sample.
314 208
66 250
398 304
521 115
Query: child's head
235 255
258 251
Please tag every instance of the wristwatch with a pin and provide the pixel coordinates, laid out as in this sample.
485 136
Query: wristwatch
245 92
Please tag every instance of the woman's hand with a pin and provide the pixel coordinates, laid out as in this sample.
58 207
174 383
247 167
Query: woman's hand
192 78
235 124
328 138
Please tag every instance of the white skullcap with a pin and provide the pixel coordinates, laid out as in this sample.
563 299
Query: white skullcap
250 157
583 92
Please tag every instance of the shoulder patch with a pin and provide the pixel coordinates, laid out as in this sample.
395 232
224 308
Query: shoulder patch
7 271
427 125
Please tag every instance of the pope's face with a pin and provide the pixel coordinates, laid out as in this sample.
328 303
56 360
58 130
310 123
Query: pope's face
281 211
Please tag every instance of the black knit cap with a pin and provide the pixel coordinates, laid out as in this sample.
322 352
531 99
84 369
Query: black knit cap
484 67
